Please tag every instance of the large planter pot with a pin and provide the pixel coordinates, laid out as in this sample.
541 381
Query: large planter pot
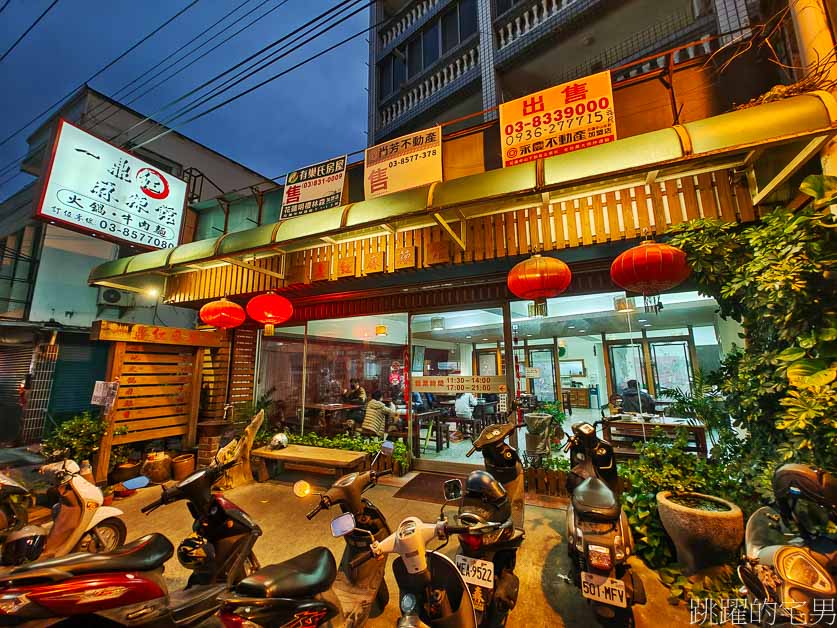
182 466
703 537
124 472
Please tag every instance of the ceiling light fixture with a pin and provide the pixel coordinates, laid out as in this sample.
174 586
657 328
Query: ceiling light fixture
467 336
381 330
437 323
485 339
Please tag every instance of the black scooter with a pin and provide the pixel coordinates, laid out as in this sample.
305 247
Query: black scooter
599 539
309 589
790 564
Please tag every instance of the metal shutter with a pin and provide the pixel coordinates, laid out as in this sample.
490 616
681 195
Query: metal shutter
14 366
78 367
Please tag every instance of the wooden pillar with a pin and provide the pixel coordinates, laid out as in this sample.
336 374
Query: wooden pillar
608 376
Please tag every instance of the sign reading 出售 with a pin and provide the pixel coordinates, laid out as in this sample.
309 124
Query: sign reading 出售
455 384
558 120
95 187
403 163
314 188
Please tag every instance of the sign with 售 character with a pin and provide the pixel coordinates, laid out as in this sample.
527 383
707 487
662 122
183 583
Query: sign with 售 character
561 119
314 188
406 162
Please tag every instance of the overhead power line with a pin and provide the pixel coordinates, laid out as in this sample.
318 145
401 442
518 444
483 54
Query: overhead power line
122 93
285 50
233 68
269 80
99 72
26 32
5 4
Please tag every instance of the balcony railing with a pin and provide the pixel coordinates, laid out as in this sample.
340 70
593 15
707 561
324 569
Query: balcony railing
444 76
521 21
403 23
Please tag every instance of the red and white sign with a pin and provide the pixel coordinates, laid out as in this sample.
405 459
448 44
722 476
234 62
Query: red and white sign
406 162
95 187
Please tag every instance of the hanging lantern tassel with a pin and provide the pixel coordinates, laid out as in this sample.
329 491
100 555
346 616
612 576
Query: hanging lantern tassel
268 329
650 269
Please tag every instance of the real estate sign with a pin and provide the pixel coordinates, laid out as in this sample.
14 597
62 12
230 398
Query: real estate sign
558 120
95 187
314 188
407 162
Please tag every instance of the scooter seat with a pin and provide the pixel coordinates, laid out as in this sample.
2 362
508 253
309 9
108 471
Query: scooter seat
307 574
144 554
593 500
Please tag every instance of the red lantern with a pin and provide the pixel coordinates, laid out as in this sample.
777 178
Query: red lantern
270 309
650 268
539 278
223 314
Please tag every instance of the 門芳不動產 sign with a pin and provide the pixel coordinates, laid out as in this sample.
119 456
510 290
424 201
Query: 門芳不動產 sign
406 162
558 120
314 188
455 384
94 187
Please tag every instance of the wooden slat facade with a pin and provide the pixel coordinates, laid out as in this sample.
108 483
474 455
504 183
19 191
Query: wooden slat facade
616 215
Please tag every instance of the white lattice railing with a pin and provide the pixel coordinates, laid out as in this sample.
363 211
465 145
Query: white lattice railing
527 20
404 23
431 84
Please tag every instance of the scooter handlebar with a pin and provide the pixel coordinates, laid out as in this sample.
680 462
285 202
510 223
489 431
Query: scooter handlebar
314 512
152 506
358 560
379 474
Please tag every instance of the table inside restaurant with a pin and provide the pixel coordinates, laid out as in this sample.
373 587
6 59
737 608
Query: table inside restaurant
328 411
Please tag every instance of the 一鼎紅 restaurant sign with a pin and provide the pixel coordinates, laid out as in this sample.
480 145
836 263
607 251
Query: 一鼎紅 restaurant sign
557 120
406 162
314 188
95 187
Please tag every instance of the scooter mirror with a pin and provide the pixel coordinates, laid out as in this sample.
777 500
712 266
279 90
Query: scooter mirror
342 525
387 447
138 482
302 488
453 490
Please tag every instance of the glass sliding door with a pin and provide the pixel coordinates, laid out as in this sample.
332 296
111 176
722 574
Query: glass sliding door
626 363
672 366
543 386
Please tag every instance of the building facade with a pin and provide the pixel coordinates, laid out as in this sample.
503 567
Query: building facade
47 363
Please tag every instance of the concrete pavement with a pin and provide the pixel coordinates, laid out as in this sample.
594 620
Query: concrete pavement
546 600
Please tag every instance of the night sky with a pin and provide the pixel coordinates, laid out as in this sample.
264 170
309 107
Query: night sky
315 112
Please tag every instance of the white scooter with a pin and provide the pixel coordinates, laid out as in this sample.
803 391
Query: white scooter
80 522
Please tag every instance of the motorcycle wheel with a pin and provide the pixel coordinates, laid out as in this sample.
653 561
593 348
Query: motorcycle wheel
104 537
624 618
381 600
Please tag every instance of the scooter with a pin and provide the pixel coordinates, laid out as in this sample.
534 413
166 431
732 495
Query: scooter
309 589
790 558
599 539
81 523
13 513
432 588
126 587
503 463
488 557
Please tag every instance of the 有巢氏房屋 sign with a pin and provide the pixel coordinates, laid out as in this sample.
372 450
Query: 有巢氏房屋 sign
97 188
558 120
314 188
406 162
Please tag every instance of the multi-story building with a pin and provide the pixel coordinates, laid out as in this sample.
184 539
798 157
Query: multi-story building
440 60
47 364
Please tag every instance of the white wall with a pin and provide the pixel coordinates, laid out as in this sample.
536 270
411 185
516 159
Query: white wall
581 348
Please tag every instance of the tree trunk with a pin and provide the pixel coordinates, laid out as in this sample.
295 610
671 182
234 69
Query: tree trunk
239 450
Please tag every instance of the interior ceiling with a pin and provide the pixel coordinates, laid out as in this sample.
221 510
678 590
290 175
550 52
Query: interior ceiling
673 316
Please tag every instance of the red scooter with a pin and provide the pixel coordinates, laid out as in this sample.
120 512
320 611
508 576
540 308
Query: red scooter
126 587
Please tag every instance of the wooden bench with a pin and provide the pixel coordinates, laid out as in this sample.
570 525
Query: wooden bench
626 435
337 461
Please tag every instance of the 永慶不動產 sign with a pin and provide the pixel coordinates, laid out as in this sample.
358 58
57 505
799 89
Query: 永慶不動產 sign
95 187
561 119
314 188
406 162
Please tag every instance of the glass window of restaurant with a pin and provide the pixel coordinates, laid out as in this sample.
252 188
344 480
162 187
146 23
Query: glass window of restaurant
597 343
447 346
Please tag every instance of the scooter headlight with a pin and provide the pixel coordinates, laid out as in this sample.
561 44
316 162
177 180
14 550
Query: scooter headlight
579 540
618 548
798 567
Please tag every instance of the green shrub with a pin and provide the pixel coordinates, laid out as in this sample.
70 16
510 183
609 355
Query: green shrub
79 438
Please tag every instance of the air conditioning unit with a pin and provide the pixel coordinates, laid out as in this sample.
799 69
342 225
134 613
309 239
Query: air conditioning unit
110 297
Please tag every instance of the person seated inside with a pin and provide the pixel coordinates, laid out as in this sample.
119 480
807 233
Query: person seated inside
430 400
375 418
464 406
634 399
356 394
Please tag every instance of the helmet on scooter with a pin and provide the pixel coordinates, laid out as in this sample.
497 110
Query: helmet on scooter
279 441
24 545
485 501
195 552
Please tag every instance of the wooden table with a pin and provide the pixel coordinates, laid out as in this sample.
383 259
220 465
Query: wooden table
340 461
329 409
624 435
